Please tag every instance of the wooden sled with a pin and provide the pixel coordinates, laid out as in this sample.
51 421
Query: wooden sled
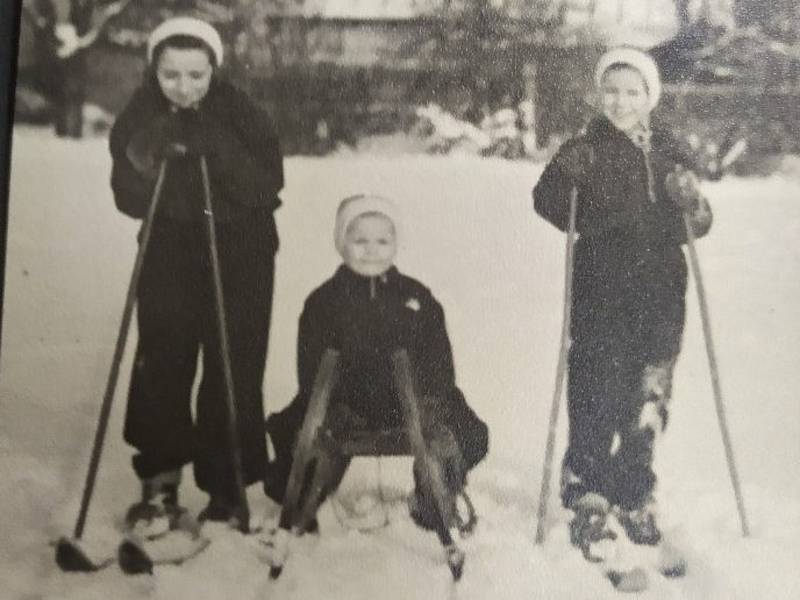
312 464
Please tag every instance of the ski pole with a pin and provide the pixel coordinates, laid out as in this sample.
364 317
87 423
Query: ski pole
560 369
230 398
712 363
122 338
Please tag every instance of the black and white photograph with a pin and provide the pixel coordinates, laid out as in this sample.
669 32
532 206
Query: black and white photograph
400 299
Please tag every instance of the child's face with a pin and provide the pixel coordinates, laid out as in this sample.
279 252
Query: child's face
370 245
623 97
184 75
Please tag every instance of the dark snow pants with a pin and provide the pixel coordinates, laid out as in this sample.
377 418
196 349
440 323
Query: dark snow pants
176 319
627 330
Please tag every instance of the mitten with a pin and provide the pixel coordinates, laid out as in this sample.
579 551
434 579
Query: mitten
683 188
162 139
143 149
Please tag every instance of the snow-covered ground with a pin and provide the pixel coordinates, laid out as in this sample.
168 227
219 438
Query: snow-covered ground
471 235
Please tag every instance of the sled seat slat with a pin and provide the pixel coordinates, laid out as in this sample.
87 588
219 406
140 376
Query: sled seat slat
387 442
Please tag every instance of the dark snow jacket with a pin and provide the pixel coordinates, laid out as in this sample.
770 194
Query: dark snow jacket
237 137
630 273
366 319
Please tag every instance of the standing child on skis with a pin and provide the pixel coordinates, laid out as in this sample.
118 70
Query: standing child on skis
184 111
367 311
629 287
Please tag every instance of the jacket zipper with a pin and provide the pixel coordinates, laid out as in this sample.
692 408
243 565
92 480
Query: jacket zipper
651 184
373 285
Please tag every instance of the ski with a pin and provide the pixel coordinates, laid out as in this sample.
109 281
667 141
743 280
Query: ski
72 556
141 548
626 565
633 580
623 572
136 556
669 563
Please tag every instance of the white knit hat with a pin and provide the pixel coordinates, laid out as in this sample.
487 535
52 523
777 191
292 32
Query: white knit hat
637 59
188 26
353 207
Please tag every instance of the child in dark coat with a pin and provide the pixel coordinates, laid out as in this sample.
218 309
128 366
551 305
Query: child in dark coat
182 111
366 311
629 291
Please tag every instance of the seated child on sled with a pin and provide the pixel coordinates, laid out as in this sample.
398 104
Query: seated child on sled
366 312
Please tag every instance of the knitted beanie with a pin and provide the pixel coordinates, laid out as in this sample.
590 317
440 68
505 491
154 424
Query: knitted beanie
355 206
188 26
636 59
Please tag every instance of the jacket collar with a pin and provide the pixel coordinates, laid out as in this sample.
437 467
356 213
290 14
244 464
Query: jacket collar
354 283
600 128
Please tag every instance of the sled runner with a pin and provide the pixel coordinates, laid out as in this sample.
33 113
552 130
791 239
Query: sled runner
312 462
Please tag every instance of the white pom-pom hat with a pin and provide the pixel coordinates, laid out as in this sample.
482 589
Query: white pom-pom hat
636 59
188 26
355 206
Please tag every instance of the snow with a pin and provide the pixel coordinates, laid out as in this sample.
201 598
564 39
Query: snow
471 235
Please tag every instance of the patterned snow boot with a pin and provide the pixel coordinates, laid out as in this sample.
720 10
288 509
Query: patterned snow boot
640 524
589 525
158 510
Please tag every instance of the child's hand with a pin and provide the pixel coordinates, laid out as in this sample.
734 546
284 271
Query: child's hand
683 188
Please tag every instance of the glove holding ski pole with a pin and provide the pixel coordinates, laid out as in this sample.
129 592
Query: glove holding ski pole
683 188
161 140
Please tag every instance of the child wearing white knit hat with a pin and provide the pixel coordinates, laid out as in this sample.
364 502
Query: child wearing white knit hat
366 232
366 312
185 115
628 304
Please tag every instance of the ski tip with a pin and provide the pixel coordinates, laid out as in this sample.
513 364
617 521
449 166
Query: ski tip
133 560
676 570
71 558
630 581
455 560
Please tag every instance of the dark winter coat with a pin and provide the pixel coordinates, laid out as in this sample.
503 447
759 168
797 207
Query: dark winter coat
366 319
630 273
236 136
175 294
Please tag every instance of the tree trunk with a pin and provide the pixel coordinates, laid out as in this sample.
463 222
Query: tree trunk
682 12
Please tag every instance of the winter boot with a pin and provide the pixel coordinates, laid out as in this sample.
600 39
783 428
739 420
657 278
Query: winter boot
422 510
220 509
640 524
158 511
589 526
